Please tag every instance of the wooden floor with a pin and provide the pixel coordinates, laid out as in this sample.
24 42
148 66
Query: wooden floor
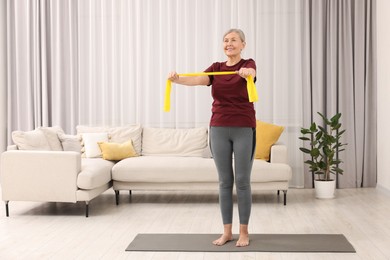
61 231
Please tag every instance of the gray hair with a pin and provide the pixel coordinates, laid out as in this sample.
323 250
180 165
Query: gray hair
238 31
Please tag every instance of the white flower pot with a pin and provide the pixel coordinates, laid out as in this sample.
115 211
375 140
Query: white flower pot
325 189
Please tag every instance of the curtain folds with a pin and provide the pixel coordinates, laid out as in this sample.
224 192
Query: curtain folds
104 62
340 77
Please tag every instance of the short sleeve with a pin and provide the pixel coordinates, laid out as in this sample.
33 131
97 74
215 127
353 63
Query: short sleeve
210 69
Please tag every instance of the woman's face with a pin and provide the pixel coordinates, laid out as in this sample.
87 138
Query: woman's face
232 44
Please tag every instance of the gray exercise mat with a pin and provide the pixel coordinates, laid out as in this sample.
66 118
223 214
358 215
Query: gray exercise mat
331 243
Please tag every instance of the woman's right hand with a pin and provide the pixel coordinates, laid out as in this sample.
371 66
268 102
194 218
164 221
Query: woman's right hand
188 81
173 76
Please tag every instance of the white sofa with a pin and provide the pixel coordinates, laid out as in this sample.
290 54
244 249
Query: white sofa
169 159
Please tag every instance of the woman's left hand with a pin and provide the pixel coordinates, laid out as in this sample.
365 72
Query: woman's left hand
245 72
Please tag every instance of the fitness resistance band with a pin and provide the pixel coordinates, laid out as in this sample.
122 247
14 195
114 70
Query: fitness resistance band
250 86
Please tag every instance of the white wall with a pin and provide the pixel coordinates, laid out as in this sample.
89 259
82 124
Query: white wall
3 74
383 38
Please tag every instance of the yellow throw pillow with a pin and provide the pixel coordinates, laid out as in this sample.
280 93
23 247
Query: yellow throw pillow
266 135
117 151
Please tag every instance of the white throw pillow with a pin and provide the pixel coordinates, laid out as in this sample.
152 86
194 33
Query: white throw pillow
90 140
30 140
174 142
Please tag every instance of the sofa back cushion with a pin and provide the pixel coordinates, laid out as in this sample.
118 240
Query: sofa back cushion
174 142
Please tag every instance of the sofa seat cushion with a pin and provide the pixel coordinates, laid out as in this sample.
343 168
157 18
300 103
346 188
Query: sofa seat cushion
188 169
165 169
95 172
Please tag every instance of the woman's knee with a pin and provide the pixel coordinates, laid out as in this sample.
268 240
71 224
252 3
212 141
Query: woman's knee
226 184
243 183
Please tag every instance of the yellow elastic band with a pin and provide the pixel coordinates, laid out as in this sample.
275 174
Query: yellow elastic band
250 85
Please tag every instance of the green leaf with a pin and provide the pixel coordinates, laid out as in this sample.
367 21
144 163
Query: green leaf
322 129
305 138
324 118
310 162
313 127
336 126
341 132
336 117
322 165
305 131
315 152
335 162
328 152
305 150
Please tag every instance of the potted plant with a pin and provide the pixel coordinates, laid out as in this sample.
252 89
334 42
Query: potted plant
325 145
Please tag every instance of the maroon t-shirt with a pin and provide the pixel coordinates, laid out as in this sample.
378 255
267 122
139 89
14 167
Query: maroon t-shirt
231 106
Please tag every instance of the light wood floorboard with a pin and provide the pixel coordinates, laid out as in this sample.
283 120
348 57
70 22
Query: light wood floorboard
61 231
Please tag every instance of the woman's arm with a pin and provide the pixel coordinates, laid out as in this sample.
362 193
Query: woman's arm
189 81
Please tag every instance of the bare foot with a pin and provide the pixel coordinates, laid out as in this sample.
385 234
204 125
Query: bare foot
223 240
243 240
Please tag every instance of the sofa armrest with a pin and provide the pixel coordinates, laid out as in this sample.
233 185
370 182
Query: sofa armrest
279 154
39 175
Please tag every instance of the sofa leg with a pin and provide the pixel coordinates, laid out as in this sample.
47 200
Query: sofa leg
285 197
130 192
117 197
6 209
278 192
86 209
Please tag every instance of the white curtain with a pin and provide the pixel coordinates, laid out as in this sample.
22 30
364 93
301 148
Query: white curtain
104 62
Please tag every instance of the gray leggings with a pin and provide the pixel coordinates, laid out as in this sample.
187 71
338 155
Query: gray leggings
224 142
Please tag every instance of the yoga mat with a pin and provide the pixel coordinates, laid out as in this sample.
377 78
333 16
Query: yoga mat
320 243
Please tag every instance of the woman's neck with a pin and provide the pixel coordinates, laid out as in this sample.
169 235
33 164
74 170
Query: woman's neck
231 61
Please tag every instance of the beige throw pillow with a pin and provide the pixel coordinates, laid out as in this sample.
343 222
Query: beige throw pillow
70 142
30 140
51 134
42 138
